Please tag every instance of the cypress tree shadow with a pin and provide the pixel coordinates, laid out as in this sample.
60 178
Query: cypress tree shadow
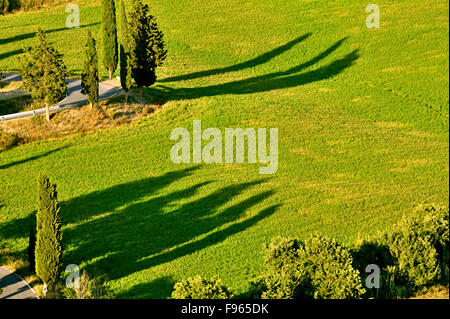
27 36
32 158
264 83
11 53
30 35
93 204
264 58
107 200
144 234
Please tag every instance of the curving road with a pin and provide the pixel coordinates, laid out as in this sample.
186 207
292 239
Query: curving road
73 98
14 287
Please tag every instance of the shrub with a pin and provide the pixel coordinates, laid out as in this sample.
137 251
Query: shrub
200 288
416 261
420 246
289 282
432 222
8 140
414 255
88 289
282 251
330 268
319 268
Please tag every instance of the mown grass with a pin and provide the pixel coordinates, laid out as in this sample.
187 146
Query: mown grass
363 137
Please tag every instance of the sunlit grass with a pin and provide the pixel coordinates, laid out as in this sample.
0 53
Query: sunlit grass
363 137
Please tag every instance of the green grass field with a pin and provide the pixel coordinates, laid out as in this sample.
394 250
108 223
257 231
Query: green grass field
363 118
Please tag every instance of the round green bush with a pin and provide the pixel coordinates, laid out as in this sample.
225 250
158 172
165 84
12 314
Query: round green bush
200 288
319 268
420 246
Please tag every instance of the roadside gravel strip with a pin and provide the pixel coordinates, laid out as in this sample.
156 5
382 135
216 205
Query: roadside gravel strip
73 98
14 287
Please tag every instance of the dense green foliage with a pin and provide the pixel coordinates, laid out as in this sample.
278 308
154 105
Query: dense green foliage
420 247
5 6
89 288
361 137
109 36
415 254
318 268
44 72
89 75
200 288
126 79
48 232
146 44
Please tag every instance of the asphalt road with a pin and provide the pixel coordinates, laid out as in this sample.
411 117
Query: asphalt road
73 98
14 287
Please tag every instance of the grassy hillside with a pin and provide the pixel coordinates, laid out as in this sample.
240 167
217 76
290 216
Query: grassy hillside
363 137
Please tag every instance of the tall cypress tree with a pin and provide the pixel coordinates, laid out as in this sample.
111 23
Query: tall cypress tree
89 75
109 36
44 72
126 79
147 45
48 251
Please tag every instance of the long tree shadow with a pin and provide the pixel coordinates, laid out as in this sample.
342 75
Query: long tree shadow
30 35
32 158
264 83
93 204
264 58
27 36
100 202
144 234
10 54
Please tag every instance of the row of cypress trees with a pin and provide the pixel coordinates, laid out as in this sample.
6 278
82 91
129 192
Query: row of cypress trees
44 72
138 45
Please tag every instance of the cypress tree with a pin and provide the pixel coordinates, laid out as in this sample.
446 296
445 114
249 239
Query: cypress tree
48 232
44 72
126 79
89 76
31 248
147 45
5 6
109 36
